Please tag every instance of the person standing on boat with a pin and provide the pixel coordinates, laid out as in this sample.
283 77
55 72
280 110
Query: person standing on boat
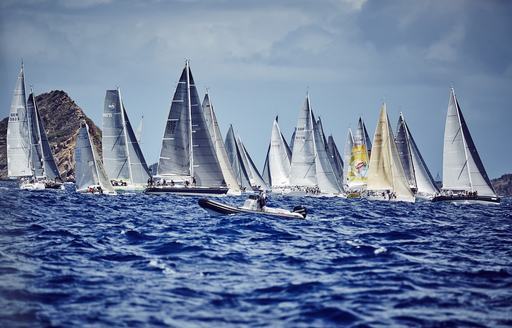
262 199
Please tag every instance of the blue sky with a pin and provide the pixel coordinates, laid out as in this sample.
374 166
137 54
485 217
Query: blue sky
259 58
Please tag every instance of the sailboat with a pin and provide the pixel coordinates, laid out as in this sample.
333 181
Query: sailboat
416 171
29 155
220 149
464 177
123 159
386 177
311 170
235 159
357 176
90 175
188 164
278 161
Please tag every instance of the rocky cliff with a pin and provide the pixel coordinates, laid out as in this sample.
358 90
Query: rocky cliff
503 185
61 118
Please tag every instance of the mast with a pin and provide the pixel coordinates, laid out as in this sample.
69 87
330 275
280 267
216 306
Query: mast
191 145
126 140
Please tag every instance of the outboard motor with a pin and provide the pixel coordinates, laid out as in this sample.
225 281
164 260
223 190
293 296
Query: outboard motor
301 210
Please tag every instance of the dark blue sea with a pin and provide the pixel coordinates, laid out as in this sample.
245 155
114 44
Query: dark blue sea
136 260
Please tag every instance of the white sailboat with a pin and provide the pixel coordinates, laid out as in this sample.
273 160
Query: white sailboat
29 155
464 177
327 181
188 164
220 149
386 177
90 176
416 171
303 167
123 159
235 159
278 161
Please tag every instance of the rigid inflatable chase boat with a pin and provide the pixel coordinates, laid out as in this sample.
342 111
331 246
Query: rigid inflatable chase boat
255 204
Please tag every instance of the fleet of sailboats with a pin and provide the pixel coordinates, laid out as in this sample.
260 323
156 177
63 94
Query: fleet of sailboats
195 160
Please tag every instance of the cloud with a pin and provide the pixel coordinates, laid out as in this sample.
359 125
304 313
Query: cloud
446 49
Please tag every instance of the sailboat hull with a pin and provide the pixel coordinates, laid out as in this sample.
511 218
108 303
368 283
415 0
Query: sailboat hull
466 199
187 191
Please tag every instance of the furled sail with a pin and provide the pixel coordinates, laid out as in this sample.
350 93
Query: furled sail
279 158
302 172
462 167
326 179
347 155
415 168
122 155
18 136
235 159
89 170
385 171
358 174
220 149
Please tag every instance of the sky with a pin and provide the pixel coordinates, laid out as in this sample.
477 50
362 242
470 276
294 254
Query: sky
260 58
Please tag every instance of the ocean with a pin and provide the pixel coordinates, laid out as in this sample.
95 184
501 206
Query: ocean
134 260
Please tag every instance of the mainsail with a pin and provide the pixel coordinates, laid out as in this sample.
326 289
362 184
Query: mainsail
279 158
415 168
18 135
325 176
42 157
235 159
347 155
122 155
358 174
187 148
385 171
462 167
302 172
89 170
220 149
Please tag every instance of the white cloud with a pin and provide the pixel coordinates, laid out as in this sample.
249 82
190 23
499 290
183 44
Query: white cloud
445 49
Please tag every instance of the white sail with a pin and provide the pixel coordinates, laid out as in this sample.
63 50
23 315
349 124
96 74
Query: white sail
266 173
255 178
385 171
326 179
462 167
415 168
220 149
235 159
302 172
18 136
279 158
347 154
89 170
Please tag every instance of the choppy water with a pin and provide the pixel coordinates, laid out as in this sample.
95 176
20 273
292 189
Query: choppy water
136 260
